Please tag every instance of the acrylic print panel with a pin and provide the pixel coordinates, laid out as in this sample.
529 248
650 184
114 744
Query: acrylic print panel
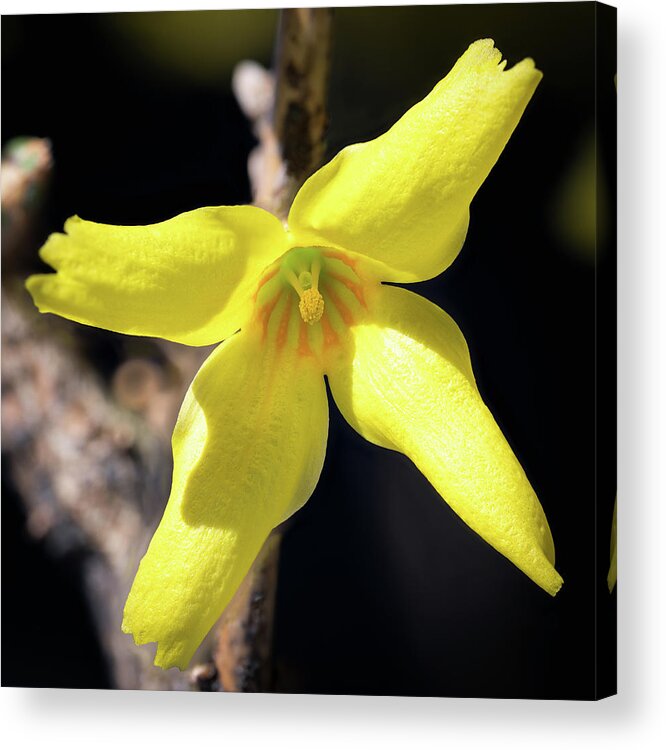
408 523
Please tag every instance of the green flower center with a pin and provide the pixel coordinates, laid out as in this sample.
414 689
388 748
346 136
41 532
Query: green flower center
306 283
322 284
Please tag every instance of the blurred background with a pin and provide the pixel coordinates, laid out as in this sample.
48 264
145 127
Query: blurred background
382 589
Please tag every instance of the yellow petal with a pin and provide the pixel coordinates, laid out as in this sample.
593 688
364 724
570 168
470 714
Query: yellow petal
248 450
612 571
187 279
405 382
403 199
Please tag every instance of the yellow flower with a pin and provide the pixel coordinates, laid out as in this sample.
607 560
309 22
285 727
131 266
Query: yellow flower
292 305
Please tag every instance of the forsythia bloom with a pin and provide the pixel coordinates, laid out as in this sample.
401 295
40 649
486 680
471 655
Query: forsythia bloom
292 305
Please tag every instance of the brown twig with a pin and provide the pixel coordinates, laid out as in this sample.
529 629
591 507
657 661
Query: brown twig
288 112
243 655
302 70
288 107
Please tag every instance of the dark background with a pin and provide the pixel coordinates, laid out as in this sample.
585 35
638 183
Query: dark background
382 589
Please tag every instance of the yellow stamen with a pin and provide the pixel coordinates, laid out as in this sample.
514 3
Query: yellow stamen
311 306
305 280
316 268
311 303
293 280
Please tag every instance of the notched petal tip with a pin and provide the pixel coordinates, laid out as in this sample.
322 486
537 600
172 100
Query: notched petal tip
526 67
32 283
164 660
72 221
486 55
484 50
482 59
167 654
37 287
51 251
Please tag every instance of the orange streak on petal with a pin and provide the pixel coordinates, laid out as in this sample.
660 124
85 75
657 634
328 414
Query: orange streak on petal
330 336
284 324
345 314
303 344
356 289
265 312
265 279
341 256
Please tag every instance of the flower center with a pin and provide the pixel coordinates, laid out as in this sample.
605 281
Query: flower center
323 285
311 304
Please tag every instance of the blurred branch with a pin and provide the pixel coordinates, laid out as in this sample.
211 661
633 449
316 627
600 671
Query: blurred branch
288 107
90 476
91 463
26 170
89 469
